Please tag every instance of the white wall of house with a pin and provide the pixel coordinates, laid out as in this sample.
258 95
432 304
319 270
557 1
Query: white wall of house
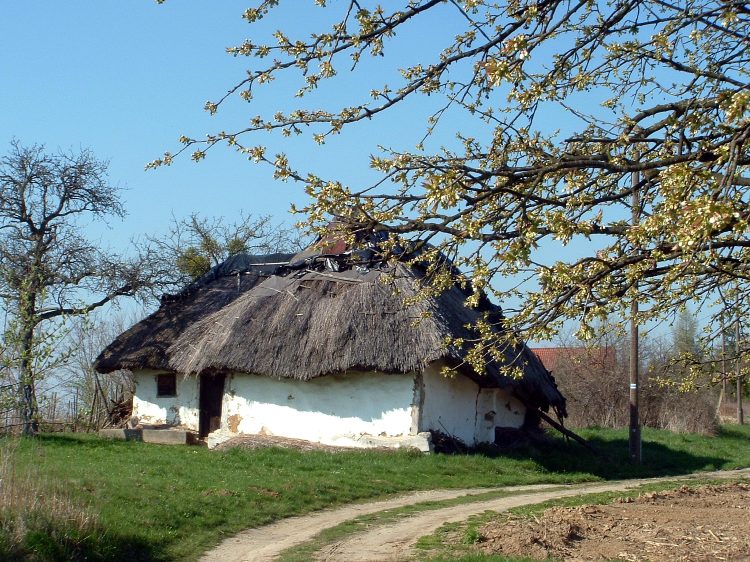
335 409
449 404
181 409
354 409
496 407
456 405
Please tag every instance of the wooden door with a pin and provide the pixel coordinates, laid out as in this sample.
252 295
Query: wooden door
211 396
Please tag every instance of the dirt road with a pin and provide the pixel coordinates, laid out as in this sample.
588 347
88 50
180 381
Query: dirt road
265 543
394 541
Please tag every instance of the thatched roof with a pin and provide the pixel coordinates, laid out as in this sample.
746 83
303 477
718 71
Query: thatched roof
283 317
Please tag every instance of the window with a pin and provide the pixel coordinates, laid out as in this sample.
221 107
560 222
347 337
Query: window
166 385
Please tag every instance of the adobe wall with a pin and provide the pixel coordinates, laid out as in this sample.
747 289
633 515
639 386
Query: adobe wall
150 409
354 409
457 406
360 409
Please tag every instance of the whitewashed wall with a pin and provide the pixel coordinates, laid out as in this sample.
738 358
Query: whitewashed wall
449 404
340 409
457 406
335 409
181 409
497 408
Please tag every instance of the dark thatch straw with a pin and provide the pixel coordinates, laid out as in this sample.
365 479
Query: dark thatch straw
303 324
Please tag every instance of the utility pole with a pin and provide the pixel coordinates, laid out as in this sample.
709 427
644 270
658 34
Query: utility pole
635 426
723 359
740 413
723 392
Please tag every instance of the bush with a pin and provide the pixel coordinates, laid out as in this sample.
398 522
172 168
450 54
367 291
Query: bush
596 387
681 412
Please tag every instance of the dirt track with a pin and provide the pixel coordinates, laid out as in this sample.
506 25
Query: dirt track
394 541
265 543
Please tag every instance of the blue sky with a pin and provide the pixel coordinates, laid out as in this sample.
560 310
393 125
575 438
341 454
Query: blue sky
126 79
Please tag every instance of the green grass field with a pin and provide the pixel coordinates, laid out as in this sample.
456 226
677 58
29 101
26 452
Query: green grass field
172 503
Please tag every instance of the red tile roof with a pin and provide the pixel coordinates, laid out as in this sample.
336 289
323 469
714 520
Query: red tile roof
553 357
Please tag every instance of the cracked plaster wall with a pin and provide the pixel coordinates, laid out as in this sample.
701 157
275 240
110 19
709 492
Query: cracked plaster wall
181 409
335 409
338 409
456 406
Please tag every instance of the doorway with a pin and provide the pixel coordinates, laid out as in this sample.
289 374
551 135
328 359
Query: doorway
209 403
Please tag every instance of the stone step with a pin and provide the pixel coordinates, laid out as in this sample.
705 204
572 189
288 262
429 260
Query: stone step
160 436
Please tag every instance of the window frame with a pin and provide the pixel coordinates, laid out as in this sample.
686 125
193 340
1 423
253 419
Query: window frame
166 385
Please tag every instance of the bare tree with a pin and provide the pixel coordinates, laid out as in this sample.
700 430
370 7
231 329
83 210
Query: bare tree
48 269
101 396
195 244
591 376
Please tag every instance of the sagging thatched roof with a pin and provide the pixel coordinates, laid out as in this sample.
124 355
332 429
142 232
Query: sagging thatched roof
292 317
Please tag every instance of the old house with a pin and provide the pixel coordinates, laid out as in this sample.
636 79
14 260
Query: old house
320 346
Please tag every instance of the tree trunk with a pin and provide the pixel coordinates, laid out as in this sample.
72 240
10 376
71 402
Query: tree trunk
29 409
91 414
105 402
28 398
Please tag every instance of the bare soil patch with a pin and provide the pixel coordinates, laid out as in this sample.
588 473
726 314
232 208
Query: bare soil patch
262 441
690 523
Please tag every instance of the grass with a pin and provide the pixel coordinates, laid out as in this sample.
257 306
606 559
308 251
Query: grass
455 541
172 503
38 521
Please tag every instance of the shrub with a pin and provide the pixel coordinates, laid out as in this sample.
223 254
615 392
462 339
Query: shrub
597 394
